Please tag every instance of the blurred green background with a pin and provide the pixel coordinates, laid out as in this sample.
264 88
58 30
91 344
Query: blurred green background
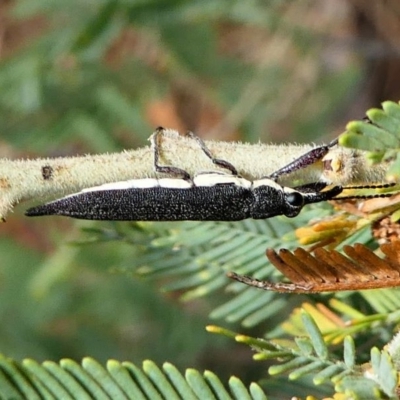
82 77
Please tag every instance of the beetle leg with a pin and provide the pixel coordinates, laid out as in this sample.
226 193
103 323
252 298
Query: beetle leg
305 160
166 169
217 161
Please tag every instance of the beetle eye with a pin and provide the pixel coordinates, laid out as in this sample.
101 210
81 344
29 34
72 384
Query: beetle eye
295 199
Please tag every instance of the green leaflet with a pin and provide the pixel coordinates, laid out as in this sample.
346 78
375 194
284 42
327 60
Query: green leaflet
121 381
381 137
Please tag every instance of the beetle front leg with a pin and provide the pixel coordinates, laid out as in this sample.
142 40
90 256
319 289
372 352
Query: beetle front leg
304 161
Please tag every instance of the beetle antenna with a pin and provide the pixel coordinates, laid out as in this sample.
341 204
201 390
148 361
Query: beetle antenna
368 196
378 186
365 197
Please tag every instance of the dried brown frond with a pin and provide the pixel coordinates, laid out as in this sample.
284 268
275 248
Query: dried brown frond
330 271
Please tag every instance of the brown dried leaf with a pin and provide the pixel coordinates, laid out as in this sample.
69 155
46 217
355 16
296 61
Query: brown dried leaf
331 271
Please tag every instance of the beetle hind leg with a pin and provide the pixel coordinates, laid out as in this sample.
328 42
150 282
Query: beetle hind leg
217 161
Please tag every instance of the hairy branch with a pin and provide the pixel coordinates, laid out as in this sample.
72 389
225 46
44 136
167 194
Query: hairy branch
23 180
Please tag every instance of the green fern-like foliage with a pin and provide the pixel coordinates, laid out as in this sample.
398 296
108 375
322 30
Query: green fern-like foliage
194 256
309 355
380 136
117 380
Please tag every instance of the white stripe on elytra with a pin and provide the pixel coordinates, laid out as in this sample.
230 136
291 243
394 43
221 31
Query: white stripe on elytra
212 179
130 184
174 183
200 180
141 184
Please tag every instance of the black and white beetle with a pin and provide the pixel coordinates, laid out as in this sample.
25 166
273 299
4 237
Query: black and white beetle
205 197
